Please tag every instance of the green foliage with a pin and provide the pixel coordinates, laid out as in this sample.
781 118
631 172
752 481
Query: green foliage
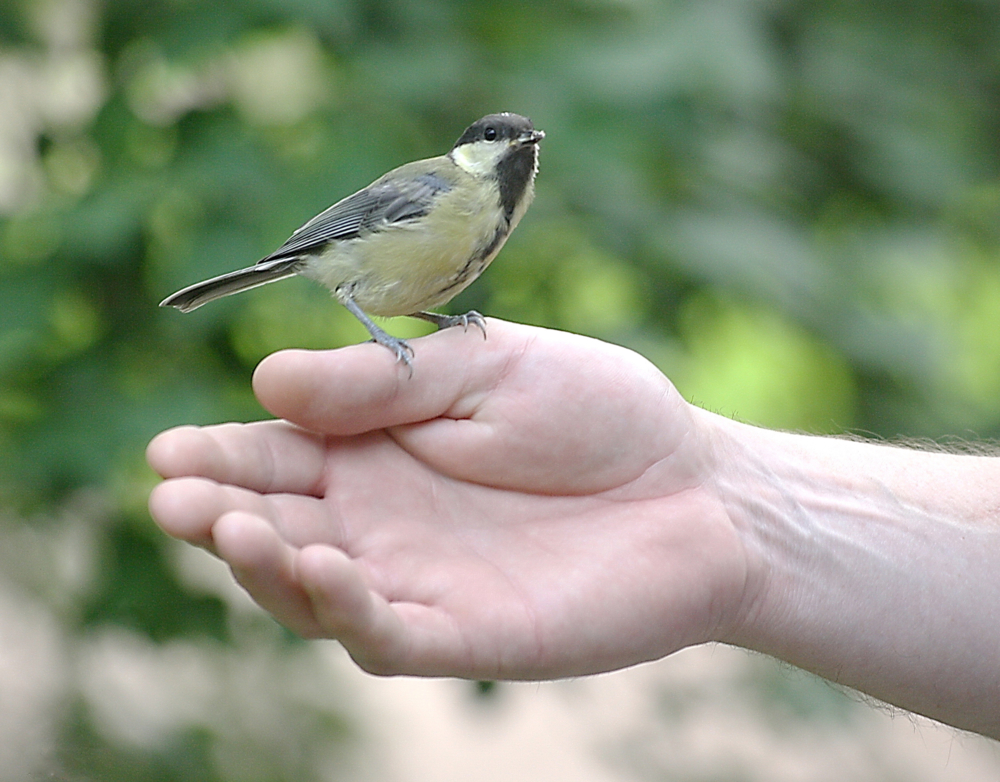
792 208
139 590
751 363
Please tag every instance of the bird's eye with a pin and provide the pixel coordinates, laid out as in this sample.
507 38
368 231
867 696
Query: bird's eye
490 134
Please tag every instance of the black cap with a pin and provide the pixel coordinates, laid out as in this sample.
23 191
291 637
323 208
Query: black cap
499 126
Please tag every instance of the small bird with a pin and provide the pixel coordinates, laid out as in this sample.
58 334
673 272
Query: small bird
413 238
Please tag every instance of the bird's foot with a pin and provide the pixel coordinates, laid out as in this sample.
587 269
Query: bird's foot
400 347
447 321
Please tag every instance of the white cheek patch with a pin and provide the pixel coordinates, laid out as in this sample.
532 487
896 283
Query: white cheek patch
479 158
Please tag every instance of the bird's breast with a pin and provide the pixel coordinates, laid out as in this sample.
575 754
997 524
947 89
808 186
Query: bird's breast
404 267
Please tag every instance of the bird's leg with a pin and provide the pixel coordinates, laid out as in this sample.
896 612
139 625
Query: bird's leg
447 321
400 347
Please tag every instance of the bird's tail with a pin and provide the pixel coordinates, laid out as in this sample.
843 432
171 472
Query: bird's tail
200 293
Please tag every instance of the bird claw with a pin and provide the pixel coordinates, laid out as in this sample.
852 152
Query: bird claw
447 321
400 348
473 317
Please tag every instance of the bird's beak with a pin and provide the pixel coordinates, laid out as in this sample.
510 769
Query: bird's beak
530 137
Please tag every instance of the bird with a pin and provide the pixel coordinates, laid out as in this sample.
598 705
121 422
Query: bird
412 239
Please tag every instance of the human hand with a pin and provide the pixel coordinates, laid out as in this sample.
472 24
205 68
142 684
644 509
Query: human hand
535 506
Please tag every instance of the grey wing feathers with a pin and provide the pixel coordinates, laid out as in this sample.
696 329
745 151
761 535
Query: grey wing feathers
388 200
399 196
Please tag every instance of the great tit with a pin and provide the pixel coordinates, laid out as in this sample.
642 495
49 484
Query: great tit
413 238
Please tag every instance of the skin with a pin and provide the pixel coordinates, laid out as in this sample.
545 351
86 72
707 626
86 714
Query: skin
546 505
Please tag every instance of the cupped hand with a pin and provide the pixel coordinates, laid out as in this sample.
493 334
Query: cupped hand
533 506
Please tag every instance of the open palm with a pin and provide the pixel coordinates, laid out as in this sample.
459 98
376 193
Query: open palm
537 505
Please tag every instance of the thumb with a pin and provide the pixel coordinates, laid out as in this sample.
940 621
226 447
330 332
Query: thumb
362 388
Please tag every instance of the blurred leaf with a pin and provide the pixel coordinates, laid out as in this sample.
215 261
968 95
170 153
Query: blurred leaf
749 363
140 591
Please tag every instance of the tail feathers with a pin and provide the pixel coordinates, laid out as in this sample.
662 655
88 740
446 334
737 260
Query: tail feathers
200 293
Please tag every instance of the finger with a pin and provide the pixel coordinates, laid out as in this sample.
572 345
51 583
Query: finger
347 391
266 456
347 610
264 565
186 508
383 638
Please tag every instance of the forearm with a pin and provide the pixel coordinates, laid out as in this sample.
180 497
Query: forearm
872 566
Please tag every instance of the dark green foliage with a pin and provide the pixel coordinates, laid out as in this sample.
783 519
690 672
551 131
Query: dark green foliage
139 590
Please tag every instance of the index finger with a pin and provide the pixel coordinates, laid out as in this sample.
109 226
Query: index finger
265 456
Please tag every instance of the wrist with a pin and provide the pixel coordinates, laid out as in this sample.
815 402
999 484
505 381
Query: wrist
869 565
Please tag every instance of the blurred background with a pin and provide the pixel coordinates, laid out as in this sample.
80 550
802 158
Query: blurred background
791 208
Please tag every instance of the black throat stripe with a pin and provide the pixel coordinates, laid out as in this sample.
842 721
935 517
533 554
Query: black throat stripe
514 172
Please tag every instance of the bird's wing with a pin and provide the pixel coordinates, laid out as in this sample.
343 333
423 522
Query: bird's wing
394 198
